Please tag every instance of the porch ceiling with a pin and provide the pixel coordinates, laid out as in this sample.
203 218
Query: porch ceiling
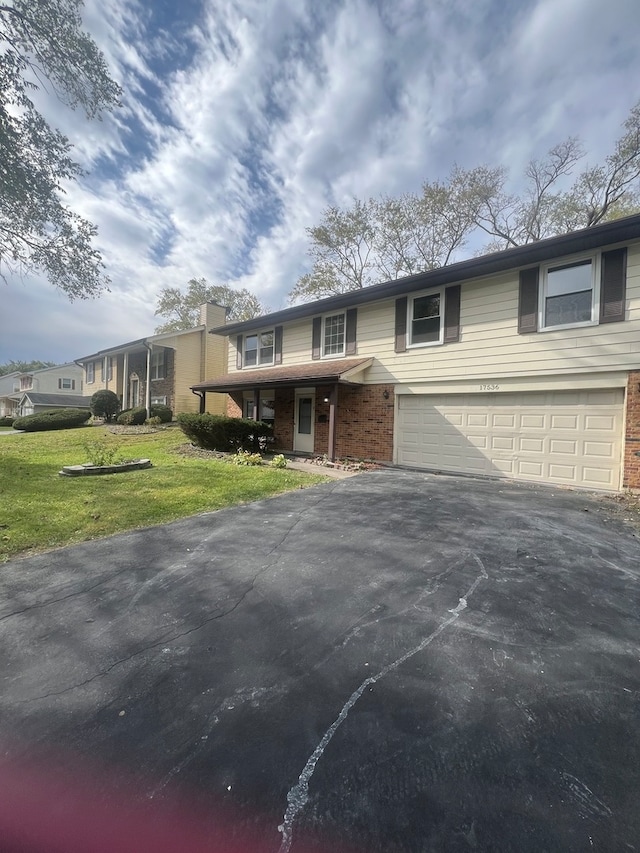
344 370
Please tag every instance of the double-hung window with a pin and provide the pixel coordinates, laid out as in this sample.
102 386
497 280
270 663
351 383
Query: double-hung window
65 384
91 372
333 335
568 295
258 349
425 319
157 364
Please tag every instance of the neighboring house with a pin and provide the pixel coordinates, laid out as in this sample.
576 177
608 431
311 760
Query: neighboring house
161 368
32 402
9 387
62 379
522 364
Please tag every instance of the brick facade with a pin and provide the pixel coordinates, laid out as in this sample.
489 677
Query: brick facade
632 433
159 387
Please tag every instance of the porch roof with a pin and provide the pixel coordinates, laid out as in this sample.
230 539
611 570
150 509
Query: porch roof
344 370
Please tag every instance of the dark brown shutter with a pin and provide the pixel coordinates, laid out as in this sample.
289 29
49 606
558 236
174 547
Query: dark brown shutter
528 301
351 330
239 352
316 334
613 286
73 384
401 324
452 314
277 345
59 384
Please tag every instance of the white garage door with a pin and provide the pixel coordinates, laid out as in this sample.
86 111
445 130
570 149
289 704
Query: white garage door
570 437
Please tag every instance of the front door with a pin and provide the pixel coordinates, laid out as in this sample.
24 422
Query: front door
303 422
134 392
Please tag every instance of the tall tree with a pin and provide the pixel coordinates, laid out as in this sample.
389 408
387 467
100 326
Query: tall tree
43 40
181 310
384 239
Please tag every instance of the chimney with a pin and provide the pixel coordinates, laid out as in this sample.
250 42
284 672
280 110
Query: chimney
212 314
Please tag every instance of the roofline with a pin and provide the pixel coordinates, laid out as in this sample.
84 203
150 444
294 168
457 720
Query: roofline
521 256
140 342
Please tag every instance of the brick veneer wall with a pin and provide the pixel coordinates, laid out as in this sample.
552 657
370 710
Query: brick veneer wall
165 387
631 478
234 405
365 422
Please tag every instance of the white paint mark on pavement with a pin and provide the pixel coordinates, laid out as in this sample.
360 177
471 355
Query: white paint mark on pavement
299 794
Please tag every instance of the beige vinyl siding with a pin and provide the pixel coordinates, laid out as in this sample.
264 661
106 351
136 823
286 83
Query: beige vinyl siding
187 369
490 346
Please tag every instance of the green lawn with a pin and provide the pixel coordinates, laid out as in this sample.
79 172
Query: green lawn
39 509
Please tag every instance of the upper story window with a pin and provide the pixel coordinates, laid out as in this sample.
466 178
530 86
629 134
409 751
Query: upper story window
66 384
568 294
91 372
333 334
106 369
425 319
158 364
258 349
26 383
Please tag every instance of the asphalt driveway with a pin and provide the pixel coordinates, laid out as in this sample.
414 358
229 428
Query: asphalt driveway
392 662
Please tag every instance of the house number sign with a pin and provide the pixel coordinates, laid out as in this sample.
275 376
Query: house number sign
489 387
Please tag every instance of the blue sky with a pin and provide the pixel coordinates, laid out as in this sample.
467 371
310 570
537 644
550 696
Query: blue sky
243 119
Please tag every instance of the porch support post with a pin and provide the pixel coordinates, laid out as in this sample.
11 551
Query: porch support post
256 404
333 400
125 381
147 390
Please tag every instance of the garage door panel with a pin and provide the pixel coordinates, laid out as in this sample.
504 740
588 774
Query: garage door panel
570 437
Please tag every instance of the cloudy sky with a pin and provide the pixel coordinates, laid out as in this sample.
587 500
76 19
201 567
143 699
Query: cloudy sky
243 119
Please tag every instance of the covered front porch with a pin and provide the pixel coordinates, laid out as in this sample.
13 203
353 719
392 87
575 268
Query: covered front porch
316 409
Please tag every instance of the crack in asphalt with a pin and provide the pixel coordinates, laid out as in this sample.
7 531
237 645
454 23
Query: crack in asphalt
165 639
298 796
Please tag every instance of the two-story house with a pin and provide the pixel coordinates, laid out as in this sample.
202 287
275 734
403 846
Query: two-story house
46 388
523 363
161 368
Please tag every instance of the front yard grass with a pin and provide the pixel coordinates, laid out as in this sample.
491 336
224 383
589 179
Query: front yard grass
39 509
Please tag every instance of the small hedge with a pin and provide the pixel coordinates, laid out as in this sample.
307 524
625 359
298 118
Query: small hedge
52 419
6 421
218 432
137 416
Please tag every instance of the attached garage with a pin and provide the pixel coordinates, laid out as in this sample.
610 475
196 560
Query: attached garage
572 438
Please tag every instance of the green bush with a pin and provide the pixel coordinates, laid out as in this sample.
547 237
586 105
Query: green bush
105 404
154 421
279 461
158 410
52 419
244 457
132 417
218 432
6 421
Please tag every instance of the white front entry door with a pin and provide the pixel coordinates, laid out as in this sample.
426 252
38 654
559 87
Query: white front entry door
304 417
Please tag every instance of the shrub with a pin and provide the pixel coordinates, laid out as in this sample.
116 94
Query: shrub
6 421
218 432
105 404
159 410
100 453
244 457
154 421
52 419
132 417
279 461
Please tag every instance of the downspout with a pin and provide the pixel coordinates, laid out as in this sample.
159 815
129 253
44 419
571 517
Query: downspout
202 405
125 381
333 399
147 390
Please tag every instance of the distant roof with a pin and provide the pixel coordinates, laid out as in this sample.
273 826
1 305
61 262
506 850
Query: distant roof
66 401
584 240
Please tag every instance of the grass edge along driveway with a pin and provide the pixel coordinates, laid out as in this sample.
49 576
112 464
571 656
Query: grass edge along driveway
40 510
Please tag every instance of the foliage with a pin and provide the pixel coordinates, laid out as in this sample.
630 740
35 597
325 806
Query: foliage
43 510
384 239
279 461
105 404
6 421
218 432
24 366
245 457
44 41
181 310
52 419
100 453
154 420
132 417
164 413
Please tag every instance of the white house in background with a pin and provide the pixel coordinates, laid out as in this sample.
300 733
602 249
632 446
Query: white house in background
63 379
